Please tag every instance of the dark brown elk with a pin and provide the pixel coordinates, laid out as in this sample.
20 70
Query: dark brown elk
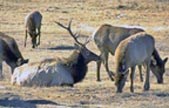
7 55
135 50
107 38
58 71
33 27
13 46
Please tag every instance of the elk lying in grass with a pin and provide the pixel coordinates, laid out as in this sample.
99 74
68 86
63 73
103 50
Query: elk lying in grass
32 24
8 55
137 50
56 72
107 38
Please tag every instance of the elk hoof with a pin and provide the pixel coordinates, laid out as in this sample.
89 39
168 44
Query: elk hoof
98 80
38 44
119 91
132 89
112 78
112 73
146 87
33 46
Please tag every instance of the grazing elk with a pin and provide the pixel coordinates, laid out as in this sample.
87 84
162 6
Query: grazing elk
10 53
13 46
56 72
33 27
7 55
107 38
137 50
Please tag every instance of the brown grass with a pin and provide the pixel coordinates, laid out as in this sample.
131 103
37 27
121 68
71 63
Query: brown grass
87 16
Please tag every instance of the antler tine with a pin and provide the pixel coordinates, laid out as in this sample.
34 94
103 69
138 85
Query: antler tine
58 23
87 41
70 31
69 25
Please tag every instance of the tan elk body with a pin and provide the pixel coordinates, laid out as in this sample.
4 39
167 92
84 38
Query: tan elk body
107 38
33 27
137 50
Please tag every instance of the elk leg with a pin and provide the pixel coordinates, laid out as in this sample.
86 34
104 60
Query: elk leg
147 82
98 70
140 72
1 76
132 79
33 42
12 70
39 33
104 58
25 37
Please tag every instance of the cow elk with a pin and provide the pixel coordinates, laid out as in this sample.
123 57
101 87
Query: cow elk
13 46
33 27
137 49
58 71
107 38
9 53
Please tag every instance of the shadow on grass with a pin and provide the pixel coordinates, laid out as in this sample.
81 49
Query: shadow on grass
143 94
41 102
62 47
162 94
59 47
14 101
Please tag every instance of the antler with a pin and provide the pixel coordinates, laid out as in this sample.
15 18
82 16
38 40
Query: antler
68 28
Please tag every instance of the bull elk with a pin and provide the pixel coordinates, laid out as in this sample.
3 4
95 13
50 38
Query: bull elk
8 54
33 27
58 71
137 50
107 38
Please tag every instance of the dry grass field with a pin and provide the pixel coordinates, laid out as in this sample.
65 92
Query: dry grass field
152 15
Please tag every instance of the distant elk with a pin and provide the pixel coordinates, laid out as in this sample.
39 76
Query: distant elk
33 27
135 50
10 53
58 71
107 38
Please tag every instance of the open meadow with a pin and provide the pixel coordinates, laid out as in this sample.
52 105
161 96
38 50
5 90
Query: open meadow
87 15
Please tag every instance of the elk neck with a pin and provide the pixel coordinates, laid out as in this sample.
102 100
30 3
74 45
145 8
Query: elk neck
157 57
9 56
77 65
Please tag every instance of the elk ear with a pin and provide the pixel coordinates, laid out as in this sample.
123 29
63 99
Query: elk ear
153 62
21 61
165 60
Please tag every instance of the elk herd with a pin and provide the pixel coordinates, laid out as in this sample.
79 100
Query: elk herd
130 47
